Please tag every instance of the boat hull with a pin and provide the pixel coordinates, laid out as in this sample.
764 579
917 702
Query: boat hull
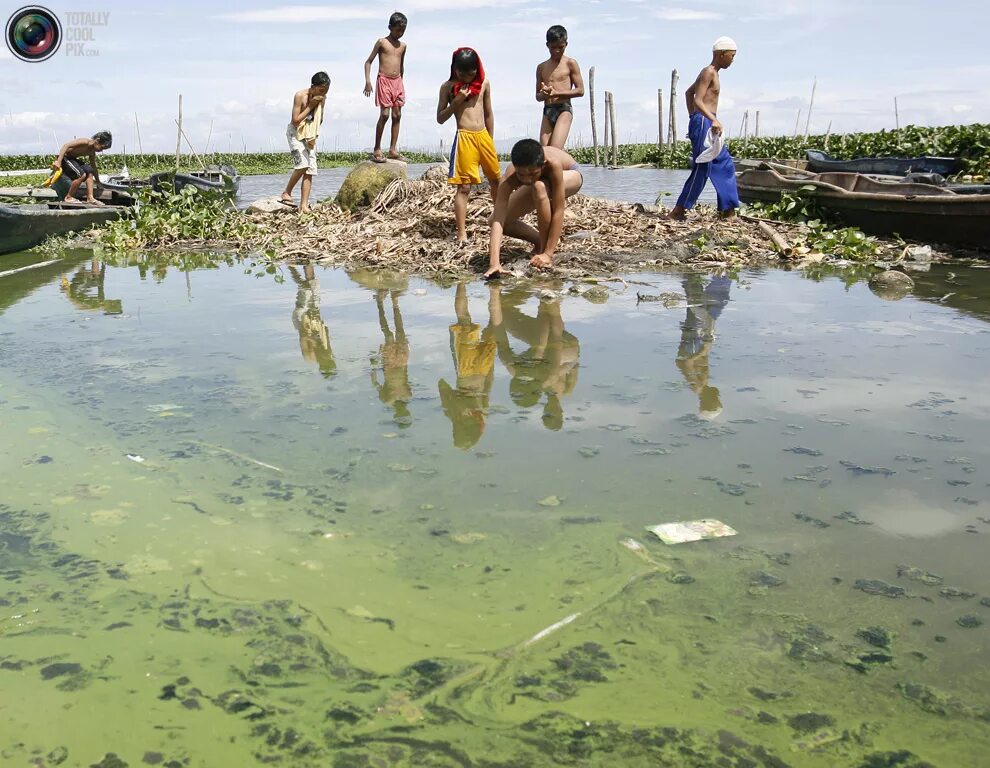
819 162
25 226
913 211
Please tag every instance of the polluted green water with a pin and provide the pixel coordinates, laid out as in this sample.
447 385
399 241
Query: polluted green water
359 520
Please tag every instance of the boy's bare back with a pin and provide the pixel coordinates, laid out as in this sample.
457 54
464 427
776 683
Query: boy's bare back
390 57
563 75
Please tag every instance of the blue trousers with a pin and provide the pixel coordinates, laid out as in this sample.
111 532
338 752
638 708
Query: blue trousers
721 170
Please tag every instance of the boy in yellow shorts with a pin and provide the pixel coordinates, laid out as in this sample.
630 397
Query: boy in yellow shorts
467 95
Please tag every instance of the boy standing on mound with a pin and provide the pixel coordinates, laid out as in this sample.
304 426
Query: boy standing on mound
468 96
390 93
541 179
702 102
301 133
558 80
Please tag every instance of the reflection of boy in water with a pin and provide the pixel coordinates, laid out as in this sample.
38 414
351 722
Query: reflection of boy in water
474 358
314 336
85 290
705 304
393 359
549 366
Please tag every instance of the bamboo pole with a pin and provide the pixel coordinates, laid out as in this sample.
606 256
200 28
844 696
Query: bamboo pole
797 122
660 117
779 242
615 137
137 127
178 135
742 125
672 131
594 120
811 106
182 134
209 137
756 132
605 136
897 116
828 134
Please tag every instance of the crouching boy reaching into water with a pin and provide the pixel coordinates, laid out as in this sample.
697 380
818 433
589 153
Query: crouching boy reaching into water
702 103
540 179
70 161
468 96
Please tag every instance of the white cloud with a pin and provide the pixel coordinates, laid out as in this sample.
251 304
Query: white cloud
686 14
961 109
303 14
309 14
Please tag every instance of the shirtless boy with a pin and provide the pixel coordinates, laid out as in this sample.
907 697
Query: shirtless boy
467 95
390 93
541 179
301 133
69 160
558 80
702 103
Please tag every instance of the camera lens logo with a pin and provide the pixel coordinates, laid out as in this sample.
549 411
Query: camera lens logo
33 33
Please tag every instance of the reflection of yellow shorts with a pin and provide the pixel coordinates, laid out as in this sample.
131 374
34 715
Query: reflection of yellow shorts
474 356
471 149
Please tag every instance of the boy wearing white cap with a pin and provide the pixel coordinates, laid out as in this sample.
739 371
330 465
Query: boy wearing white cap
702 103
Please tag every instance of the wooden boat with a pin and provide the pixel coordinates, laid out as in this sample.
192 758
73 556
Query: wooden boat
214 178
922 212
819 162
25 226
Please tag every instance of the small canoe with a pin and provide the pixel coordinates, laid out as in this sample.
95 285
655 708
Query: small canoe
819 162
25 226
215 178
923 212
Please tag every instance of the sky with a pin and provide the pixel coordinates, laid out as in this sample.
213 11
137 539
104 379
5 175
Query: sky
237 65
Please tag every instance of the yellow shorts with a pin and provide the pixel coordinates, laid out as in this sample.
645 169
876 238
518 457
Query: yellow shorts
472 149
475 356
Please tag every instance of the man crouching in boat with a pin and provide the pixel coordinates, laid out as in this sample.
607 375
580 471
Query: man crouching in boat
70 161
702 103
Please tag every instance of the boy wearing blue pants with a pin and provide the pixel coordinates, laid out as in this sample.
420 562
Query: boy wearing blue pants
702 102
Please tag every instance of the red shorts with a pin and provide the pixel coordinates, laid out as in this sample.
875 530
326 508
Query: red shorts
390 92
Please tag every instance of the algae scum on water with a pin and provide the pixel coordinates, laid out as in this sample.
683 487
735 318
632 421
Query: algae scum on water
363 520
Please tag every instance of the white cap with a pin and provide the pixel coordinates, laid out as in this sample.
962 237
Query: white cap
724 44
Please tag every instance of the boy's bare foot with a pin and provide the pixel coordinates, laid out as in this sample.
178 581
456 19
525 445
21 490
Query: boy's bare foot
677 214
541 261
396 156
377 156
727 214
304 209
494 273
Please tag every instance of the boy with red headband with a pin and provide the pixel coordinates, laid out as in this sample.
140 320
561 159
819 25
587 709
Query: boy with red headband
468 96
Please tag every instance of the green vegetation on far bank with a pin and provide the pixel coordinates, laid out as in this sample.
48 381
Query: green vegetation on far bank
971 143
248 163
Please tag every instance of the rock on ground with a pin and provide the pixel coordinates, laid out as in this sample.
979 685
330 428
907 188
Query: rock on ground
366 180
269 205
892 285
